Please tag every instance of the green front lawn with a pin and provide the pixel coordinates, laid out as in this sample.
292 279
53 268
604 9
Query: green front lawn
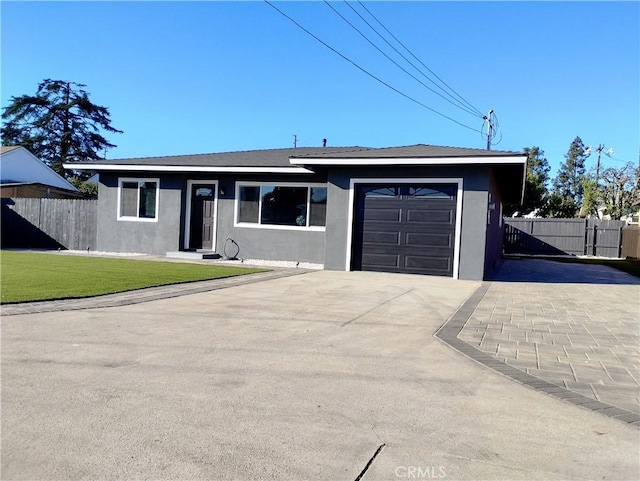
31 276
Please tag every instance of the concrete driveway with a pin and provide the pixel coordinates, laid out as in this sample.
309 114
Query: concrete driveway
322 376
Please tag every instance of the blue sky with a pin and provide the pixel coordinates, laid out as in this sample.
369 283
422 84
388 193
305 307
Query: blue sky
182 77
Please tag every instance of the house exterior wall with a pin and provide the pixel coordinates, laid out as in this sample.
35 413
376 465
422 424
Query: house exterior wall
495 229
264 242
168 233
329 248
474 211
474 223
136 236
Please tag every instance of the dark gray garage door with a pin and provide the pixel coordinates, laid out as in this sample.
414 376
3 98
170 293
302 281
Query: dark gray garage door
405 228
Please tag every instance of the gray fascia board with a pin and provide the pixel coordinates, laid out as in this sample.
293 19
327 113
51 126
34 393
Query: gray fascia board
524 179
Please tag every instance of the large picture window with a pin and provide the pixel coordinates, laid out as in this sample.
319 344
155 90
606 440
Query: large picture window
138 199
282 205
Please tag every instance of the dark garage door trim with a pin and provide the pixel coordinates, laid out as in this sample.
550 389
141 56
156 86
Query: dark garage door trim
413 180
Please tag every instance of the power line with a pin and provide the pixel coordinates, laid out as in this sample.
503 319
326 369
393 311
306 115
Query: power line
462 107
420 61
474 111
493 129
364 70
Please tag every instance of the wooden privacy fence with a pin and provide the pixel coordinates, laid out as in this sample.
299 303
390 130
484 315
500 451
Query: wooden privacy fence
631 242
49 223
594 237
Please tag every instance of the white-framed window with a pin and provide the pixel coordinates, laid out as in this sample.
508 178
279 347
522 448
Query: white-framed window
138 199
281 205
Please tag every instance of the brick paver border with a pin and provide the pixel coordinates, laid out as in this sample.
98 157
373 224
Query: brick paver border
139 296
448 333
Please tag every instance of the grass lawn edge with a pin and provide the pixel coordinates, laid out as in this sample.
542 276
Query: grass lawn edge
33 277
65 298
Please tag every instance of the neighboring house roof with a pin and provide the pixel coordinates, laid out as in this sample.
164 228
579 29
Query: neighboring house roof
18 165
8 148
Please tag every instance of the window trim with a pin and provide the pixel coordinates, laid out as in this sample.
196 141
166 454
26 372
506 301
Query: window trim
259 225
139 180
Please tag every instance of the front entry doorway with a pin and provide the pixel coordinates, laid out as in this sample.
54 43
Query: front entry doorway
202 216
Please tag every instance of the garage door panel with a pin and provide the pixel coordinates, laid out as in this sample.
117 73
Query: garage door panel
430 216
385 238
427 263
428 240
390 215
412 231
381 260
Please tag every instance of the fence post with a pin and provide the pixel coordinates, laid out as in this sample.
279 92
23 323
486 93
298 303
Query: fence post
586 237
595 240
620 242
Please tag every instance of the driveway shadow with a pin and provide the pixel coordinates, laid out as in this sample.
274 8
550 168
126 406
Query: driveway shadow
546 271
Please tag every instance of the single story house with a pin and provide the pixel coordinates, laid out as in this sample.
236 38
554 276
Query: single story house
25 175
417 209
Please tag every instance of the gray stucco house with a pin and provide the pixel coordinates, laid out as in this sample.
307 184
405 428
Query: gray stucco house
418 209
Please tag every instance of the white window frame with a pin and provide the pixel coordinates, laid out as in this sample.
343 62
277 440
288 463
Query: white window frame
187 223
139 180
431 180
251 225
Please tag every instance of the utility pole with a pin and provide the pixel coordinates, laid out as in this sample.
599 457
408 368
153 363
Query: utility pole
599 149
489 128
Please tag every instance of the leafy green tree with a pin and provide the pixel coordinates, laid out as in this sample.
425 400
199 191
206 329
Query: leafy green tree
58 124
535 189
620 189
90 189
592 196
567 186
559 207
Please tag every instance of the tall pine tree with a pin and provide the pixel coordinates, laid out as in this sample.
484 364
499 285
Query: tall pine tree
58 124
566 199
535 189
